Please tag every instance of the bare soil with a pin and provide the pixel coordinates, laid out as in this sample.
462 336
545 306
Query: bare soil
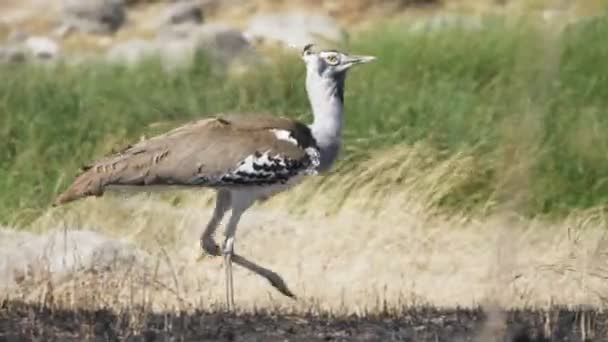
27 322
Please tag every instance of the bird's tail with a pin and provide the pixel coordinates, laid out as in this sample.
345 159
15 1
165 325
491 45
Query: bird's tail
89 183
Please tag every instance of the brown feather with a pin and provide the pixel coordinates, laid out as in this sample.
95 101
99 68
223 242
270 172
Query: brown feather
198 150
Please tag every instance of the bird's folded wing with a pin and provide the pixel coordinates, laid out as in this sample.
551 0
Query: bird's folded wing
230 150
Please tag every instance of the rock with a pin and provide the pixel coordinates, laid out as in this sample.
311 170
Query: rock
12 54
295 28
16 36
62 31
184 12
222 44
177 54
177 46
42 48
132 51
25 255
94 16
35 49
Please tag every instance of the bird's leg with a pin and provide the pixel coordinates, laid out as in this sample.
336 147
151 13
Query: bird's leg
228 251
222 204
275 280
240 203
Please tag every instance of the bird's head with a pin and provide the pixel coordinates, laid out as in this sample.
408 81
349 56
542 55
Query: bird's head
331 63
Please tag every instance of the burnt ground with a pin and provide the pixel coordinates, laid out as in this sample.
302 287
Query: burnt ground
26 322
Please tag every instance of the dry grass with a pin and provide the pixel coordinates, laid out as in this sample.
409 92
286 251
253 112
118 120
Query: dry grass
394 254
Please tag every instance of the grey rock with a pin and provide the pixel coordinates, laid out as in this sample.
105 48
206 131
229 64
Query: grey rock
178 46
94 16
132 51
62 253
42 48
12 54
184 12
177 54
21 48
224 45
62 31
295 28
17 36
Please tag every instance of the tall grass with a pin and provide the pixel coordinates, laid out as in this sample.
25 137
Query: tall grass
530 105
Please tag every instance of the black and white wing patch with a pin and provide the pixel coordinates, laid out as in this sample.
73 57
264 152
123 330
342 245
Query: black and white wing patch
265 168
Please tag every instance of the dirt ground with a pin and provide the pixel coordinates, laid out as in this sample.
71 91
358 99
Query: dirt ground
23 322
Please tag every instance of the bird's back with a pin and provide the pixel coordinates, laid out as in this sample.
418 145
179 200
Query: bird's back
232 150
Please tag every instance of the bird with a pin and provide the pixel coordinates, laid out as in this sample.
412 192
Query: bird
243 157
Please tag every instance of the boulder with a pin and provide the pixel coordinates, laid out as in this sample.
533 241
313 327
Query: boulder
42 48
132 51
295 28
224 45
59 254
177 46
94 16
16 36
12 54
183 12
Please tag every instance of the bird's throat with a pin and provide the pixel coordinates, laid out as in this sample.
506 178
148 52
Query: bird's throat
327 102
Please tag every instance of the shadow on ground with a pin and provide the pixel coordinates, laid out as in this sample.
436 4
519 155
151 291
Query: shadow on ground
24 322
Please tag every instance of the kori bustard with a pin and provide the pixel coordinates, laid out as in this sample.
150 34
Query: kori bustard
244 157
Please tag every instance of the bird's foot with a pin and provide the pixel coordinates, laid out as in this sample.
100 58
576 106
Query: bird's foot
278 283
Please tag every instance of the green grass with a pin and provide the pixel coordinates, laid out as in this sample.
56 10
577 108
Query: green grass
533 111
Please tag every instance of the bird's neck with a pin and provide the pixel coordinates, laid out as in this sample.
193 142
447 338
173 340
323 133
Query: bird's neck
326 98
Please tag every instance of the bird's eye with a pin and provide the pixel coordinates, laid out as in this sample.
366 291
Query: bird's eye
332 59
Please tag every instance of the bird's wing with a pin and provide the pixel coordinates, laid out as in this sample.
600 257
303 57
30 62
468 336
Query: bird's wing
228 150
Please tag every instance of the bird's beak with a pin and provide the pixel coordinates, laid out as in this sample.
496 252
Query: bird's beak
352 60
